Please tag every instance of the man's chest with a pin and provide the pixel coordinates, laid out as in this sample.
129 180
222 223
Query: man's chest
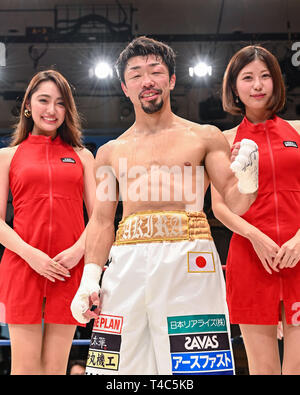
159 152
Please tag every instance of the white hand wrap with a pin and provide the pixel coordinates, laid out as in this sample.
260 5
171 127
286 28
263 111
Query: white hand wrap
89 284
245 167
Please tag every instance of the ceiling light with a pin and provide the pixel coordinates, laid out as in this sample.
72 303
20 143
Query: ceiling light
103 70
200 70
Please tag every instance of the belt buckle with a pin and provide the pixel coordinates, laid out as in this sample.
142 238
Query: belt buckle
150 227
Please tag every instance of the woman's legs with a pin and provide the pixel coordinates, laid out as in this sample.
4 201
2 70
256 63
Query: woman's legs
26 347
57 342
291 343
261 345
34 351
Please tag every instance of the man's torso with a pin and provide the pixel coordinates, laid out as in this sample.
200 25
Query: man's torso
163 170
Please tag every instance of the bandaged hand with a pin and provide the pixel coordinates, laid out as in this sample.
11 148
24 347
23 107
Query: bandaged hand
87 294
245 166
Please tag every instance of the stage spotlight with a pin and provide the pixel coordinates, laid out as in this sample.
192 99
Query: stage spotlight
200 70
103 70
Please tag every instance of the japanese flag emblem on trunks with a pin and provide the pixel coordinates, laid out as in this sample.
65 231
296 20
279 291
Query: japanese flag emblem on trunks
201 262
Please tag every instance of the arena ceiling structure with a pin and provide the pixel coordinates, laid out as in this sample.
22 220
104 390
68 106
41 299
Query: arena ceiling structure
82 39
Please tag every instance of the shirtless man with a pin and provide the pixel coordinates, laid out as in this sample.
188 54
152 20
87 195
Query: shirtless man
163 306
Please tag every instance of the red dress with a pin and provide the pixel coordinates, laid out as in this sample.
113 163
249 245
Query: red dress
46 181
253 295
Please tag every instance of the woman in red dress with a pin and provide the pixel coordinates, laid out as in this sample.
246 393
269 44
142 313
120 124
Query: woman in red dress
263 270
50 175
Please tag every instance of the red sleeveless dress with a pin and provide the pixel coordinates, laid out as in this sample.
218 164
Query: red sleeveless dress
253 295
46 181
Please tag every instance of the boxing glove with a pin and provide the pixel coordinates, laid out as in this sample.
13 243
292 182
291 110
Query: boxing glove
245 166
89 284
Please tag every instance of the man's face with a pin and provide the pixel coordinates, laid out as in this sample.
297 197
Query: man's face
147 82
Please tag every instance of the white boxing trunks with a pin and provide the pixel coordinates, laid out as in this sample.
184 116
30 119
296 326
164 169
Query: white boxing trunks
163 300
